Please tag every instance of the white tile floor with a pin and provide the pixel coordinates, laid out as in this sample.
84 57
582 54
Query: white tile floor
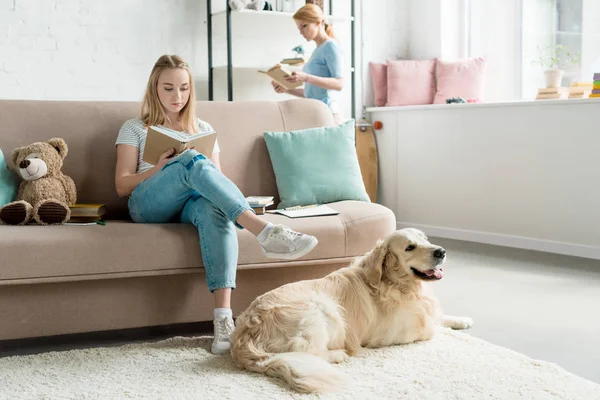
542 305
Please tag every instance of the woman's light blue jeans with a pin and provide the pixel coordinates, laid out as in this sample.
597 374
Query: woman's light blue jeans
190 189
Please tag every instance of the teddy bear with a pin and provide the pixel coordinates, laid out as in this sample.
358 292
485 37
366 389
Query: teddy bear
45 193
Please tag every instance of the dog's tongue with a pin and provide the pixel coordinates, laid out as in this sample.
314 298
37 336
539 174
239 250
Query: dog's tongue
438 273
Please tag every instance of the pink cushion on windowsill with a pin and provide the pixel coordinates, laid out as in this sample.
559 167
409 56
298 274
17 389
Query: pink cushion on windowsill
410 82
379 78
465 78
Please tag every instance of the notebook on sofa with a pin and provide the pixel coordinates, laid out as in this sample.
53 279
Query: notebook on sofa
161 139
305 211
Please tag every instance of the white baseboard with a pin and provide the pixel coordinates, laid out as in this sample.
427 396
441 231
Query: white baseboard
519 242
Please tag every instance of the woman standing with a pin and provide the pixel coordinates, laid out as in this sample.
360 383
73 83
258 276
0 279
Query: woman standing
323 74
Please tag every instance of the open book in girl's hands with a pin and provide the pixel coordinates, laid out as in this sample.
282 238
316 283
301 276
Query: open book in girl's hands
160 139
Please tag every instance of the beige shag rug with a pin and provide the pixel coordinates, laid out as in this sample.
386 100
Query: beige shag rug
451 366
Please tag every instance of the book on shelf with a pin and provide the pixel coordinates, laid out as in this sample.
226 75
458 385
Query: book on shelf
546 96
554 90
313 210
161 139
278 73
293 61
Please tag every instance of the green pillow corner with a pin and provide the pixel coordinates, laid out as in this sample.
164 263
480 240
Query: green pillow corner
9 184
316 165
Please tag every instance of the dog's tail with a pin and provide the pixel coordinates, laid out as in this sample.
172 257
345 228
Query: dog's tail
304 372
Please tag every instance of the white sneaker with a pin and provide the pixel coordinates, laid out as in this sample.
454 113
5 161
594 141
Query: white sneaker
286 244
223 328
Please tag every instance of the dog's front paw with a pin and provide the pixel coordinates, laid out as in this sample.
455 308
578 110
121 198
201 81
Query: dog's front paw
456 322
337 356
463 323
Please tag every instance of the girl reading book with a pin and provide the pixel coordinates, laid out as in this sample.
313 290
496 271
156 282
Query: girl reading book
190 188
323 74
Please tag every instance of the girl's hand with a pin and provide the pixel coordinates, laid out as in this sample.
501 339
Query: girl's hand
297 76
165 158
278 88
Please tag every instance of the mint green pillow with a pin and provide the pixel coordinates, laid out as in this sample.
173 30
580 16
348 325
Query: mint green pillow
317 165
8 183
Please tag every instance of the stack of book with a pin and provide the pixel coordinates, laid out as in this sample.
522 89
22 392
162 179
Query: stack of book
596 86
85 213
259 203
580 90
551 93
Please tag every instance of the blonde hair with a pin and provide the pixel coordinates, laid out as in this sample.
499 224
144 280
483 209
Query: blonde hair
312 13
153 112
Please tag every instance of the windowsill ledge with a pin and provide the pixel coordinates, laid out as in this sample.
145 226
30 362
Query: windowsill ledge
519 103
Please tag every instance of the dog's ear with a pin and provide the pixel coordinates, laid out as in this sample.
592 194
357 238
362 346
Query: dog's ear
374 263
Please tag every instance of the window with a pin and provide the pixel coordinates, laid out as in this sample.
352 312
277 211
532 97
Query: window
513 34
569 26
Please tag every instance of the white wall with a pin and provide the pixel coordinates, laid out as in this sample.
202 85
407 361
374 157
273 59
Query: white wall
496 35
89 49
424 29
470 172
385 36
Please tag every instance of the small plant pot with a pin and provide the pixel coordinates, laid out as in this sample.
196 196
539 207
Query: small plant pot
554 77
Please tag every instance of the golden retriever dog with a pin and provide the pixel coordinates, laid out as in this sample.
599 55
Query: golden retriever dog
295 331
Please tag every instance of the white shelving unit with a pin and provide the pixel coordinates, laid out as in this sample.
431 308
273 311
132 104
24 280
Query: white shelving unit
282 14
242 42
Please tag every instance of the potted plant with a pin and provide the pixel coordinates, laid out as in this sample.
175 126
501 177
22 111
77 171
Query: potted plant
555 59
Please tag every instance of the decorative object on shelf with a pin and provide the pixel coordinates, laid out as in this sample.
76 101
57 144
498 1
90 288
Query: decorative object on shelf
299 50
237 5
596 86
317 2
555 59
455 100
257 5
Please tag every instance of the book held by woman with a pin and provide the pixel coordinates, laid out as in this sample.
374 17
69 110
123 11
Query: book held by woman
160 139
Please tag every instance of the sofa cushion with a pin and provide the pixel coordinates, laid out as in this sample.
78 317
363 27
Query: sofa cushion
317 165
379 79
410 82
464 78
124 249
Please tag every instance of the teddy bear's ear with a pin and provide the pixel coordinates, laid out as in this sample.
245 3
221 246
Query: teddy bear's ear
15 155
60 145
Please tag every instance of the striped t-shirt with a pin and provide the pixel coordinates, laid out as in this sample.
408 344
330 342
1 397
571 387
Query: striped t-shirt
133 132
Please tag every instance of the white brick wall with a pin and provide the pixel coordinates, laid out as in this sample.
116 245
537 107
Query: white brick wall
104 49
95 50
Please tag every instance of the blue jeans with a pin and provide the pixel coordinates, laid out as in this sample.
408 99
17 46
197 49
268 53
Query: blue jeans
190 189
